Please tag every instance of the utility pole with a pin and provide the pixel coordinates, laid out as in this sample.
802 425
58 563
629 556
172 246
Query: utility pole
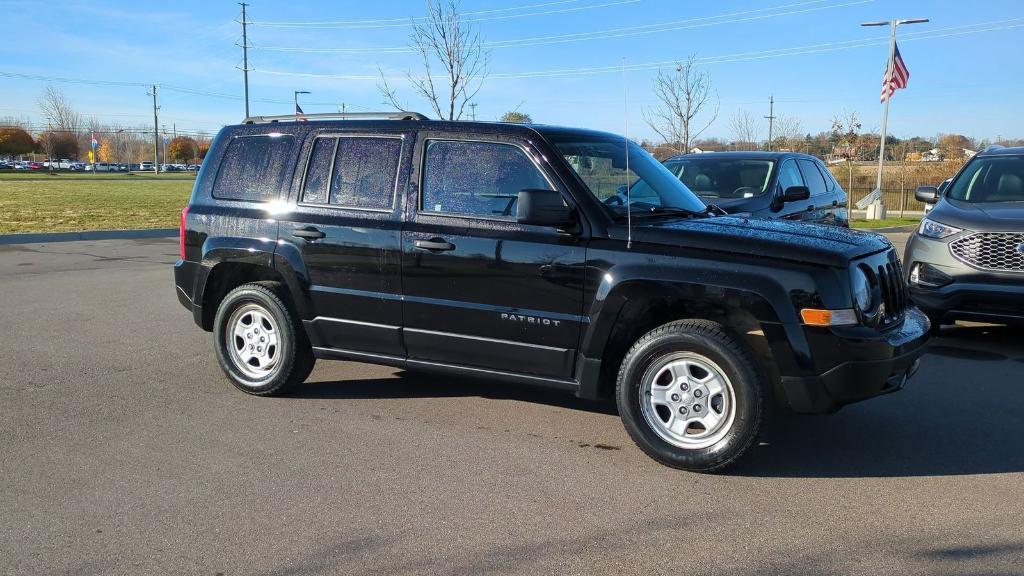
892 24
245 57
174 129
771 119
342 108
156 135
472 107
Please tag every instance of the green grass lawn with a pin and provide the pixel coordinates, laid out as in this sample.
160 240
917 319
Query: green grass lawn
887 223
74 202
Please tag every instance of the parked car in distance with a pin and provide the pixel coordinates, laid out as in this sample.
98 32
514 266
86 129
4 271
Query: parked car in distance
489 250
966 260
774 185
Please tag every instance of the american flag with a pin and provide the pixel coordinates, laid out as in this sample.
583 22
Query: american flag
896 76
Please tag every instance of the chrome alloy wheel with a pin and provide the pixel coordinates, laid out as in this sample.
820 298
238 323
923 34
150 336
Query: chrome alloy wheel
252 341
687 400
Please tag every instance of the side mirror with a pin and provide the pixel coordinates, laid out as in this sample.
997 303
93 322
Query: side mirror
543 208
927 194
795 194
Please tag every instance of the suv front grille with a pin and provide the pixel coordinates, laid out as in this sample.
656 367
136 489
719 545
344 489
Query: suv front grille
996 251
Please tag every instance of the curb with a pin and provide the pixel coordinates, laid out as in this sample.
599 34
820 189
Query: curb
892 229
37 237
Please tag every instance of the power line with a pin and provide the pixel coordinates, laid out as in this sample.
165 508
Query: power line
411 21
687 23
736 57
405 20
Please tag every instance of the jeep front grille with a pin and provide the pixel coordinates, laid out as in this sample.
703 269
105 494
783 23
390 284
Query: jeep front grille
892 286
996 251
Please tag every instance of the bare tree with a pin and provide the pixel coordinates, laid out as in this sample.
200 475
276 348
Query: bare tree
685 100
57 109
787 132
743 128
443 38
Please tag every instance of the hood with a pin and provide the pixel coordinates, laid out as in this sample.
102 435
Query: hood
821 244
980 216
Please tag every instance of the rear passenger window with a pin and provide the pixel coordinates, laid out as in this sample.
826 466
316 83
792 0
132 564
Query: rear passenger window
812 176
318 174
476 178
353 172
254 168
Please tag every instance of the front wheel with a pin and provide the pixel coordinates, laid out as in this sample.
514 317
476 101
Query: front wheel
690 395
260 343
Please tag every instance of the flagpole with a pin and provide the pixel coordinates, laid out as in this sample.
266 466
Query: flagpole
889 72
885 109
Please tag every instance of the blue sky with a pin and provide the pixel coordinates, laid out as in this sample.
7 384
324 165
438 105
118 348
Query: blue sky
965 64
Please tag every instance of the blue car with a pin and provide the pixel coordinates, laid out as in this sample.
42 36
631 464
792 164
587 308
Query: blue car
773 185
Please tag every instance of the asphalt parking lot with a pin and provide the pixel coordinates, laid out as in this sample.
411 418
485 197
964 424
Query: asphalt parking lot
124 451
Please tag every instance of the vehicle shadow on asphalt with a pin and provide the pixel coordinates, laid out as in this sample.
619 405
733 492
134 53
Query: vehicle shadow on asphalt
962 414
414 384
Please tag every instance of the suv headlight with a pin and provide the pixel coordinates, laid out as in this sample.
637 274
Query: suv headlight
865 298
933 229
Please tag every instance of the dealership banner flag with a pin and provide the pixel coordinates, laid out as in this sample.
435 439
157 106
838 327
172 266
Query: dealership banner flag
93 142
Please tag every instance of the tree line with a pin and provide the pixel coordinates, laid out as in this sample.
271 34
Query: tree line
67 134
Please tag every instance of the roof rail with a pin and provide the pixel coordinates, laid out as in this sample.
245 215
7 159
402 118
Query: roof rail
993 147
401 115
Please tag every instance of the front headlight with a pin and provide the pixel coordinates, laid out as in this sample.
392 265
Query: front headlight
933 229
863 293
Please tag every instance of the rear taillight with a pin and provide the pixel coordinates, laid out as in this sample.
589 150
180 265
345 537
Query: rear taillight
181 233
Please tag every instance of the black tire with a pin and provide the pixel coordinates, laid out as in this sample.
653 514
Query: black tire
295 358
711 341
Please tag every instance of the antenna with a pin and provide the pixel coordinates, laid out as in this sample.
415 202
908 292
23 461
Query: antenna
625 137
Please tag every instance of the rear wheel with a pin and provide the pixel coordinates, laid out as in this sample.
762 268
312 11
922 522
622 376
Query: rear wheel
691 396
261 345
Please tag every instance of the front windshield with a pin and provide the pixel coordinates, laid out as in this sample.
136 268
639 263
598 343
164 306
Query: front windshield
724 178
601 163
990 179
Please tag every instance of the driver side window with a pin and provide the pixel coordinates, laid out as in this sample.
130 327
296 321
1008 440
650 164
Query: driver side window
789 175
476 178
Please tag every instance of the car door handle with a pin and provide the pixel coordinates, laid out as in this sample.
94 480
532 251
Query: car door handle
434 245
835 203
810 208
308 233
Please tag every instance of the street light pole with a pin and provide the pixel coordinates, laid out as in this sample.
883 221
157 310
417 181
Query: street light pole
892 24
297 92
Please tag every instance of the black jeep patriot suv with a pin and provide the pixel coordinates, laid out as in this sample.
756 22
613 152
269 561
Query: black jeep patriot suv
487 250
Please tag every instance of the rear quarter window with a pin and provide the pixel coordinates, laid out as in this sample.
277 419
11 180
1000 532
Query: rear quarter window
254 168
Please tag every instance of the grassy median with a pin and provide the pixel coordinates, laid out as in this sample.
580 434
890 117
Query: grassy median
74 202
887 223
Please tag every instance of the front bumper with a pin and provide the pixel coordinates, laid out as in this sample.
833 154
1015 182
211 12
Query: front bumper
977 295
879 363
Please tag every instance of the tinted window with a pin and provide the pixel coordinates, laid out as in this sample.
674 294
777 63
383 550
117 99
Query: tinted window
318 174
815 181
722 177
363 176
254 168
789 175
477 178
830 180
365 170
990 179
